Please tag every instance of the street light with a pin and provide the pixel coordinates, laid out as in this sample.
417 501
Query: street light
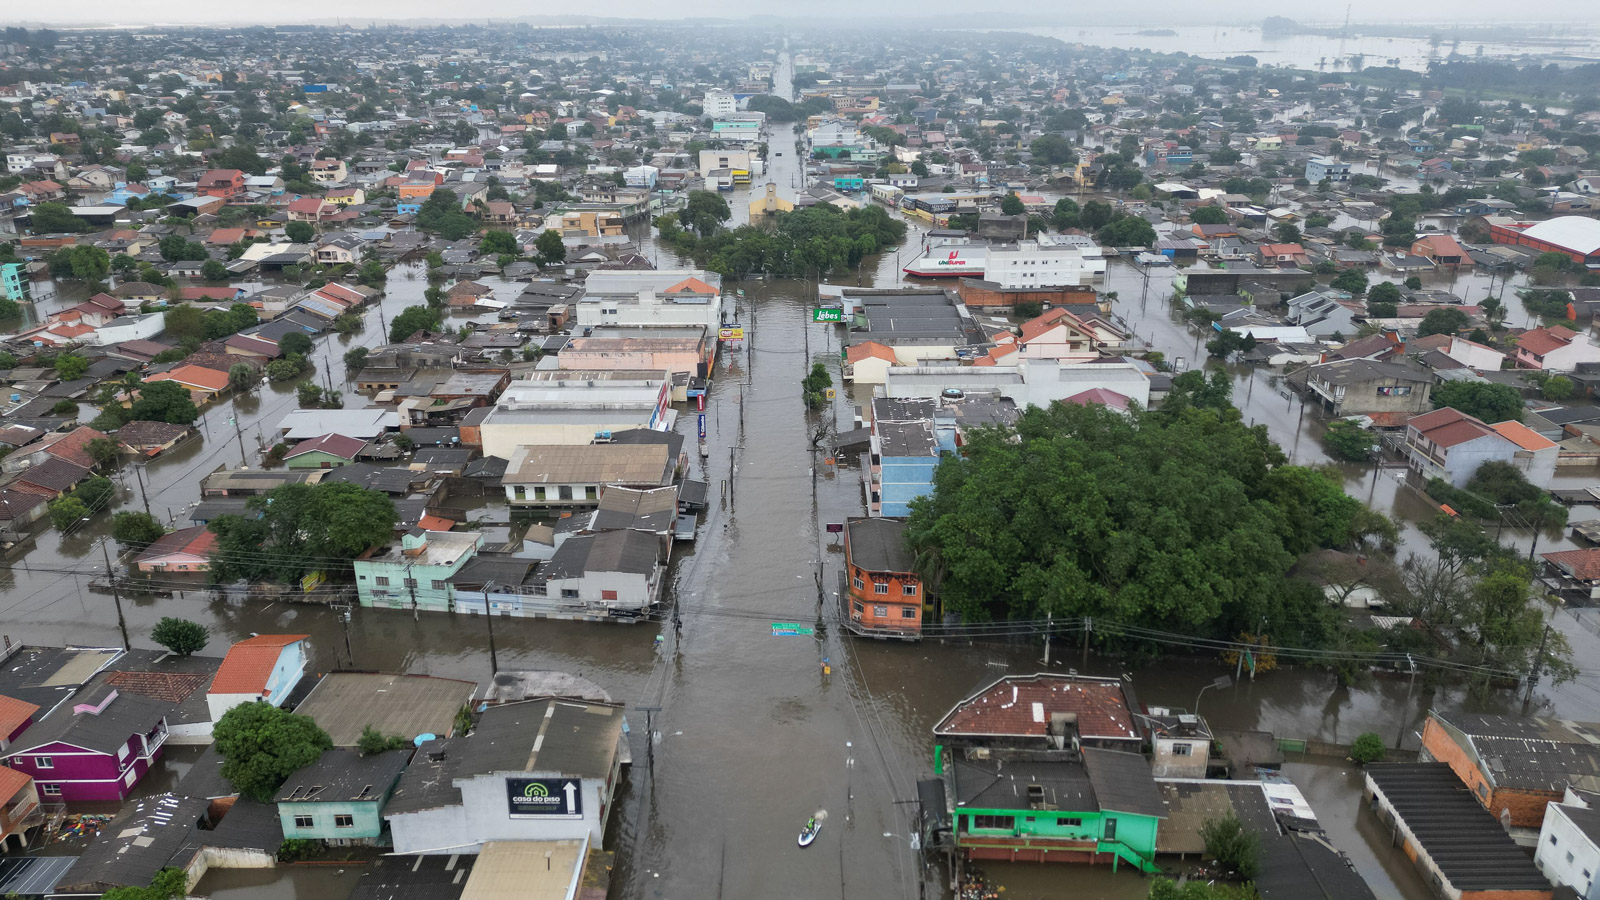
915 841
1223 682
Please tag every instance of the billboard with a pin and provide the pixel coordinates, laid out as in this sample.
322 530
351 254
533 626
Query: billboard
530 797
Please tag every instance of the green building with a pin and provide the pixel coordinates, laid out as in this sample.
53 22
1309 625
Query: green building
339 798
416 574
1089 806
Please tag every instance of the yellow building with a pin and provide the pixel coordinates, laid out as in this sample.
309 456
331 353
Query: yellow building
768 202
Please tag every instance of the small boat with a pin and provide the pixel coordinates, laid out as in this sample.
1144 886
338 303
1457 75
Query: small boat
809 833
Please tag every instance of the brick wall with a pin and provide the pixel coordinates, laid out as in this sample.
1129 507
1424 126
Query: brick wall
1527 807
973 294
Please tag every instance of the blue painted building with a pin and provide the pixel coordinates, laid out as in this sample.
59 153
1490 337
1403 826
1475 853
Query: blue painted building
339 798
1322 167
849 183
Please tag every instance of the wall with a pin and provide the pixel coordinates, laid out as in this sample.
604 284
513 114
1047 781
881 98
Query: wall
863 599
1445 744
1135 839
286 673
633 591
1561 840
1166 763
85 777
483 816
367 823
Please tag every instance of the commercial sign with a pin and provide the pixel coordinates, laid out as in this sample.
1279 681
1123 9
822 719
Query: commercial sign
827 314
528 797
788 629
730 334
702 424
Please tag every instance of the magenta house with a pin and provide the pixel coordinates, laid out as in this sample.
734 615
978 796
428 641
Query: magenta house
93 751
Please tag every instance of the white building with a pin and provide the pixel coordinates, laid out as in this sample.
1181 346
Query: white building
651 297
719 104
533 770
557 406
1569 845
1031 382
641 176
1044 262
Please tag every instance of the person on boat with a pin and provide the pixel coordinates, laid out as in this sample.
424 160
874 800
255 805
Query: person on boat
811 824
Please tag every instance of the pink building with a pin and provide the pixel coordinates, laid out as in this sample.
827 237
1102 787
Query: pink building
681 351
93 751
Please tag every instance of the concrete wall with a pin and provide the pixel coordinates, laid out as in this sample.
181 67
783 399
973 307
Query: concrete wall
483 816
1445 744
1566 855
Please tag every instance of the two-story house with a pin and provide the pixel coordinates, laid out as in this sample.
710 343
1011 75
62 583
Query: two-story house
224 183
1357 386
19 808
96 750
416 573
884 595
1554 349
567 475
612 573
339 798
1322 314
260 669
1450 444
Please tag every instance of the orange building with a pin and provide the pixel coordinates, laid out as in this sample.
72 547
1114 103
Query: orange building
884 594
1514 766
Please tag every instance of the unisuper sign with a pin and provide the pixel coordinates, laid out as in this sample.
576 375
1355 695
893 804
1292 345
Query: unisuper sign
544 797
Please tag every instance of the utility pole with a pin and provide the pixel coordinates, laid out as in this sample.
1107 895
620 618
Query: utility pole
139 476
650 735
243 461
344 619
1088 626
1047 619
488 620
1533 672
411 585
111 578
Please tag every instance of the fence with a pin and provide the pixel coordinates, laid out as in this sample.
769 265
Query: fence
1307 747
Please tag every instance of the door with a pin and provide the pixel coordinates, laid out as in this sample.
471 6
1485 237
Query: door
1111 830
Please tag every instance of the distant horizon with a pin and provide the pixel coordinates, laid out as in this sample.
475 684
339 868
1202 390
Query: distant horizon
1450 16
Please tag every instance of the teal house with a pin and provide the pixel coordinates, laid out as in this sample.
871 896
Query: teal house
416 574
1094 806
849 183
338 798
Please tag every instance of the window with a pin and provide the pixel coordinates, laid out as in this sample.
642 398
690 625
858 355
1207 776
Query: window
860 584
1182 749
880 611
1069 823
344 821
880 587
304 822
1552 840
908 612
1569 857
859 609
521 492
569 593
411 583
438 585
1005 823
382 581
908 590
43 762
538 493
608 595
50 790
591 493
564 492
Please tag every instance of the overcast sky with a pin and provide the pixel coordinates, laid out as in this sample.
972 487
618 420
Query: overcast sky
1150 14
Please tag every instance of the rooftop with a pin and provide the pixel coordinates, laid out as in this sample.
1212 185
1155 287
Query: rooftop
878 545
344 703
590 463
1021 706
344 775
249 664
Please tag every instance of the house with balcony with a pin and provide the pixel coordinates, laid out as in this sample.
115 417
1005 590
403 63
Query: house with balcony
1347 387
20 809
1323 313
572 475
1450 444
339 799
1554 349
415 574
95 749
884 595
224 183
613 574
904 451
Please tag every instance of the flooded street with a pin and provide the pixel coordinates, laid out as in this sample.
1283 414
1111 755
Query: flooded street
750 736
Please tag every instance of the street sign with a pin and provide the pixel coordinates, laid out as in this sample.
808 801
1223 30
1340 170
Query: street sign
730 334
791 629
700 401
702 424
739 292
827 314
530 797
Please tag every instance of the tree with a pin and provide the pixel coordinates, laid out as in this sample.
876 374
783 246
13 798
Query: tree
1368 748
55 218
1349 441
136 529
1199 889
411 320
295 342
1286 232
496 243
1488 402
1210 214
185 322
704 212
1228 342
181 636
262 745
1011 205
919 168
1414 283
296 529
71 366
88 262
211 270
241 377
1351 281
1128 231
1095 215
550 248
164 401
1383 292
814 386
66 512
300 232
102 450
1232 846
1065 214
374 741
355 359
168 884
1052 150
1444 320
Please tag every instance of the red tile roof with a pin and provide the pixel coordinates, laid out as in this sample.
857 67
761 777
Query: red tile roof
691 286
1108 399
173 687
249 664
1583 565
12 781
1543 340
14 713
1448 427
857 352
1523 436
195 376
1006 707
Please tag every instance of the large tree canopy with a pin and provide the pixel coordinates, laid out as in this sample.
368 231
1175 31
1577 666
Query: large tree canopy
302 528
1183 519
